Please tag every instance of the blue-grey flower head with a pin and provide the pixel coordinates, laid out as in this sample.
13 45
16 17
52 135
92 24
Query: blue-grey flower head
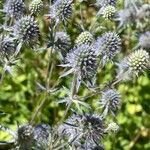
25 137
83 59
144 40
41 136
7 46
62 42
84 38
126 16
104 3
84 128
14 8
36 6
26 30
109 44
61 10
110 101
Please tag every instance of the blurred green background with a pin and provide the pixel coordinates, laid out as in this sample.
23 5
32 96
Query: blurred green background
19 95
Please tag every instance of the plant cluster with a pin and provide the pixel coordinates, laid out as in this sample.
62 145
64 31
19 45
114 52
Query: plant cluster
82 59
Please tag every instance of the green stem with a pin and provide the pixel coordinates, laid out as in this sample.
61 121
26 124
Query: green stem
47 85
73 93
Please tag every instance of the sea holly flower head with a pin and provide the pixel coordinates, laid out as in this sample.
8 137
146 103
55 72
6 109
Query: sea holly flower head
14 8
85 37
26 30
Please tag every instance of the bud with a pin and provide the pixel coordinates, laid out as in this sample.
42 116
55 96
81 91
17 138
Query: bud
62 42
36 6
108 12
27 30
112 127
14 8
110 101
84 38
7 46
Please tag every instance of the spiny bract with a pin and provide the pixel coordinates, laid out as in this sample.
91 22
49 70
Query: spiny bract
144 40
84 128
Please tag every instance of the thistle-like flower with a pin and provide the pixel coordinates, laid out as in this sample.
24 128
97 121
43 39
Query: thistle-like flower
61 10
25 136
62 42
110 101
134 64
108 12
138 61
144 40
84 38
7 46
26 30
84 128
36 6
104 3
14 8
125 16
109 45
83 60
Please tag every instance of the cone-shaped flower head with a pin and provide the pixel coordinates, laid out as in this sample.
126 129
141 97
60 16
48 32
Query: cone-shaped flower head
108 12
134 64
7 46
83 59
14 8
61 10
109 44
104 3
62 42
84 38
84 128
27 30
36 6
25 137
138 61
110 101
144 40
